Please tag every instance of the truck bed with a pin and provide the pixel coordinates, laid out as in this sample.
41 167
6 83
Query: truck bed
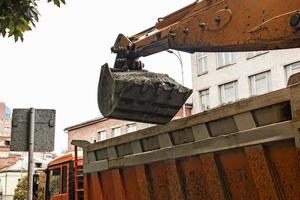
245 150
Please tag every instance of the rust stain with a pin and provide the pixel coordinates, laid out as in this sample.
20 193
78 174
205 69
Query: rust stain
135 183
261 173
213 178
237 175
284 160
112 185
159 182
194 179
174 185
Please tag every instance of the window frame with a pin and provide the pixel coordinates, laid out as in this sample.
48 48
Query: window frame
114 128
256 54
290 66
50 176
99 135
226 64
61 191
127 127
64 179
207 105
204 70
252 83
221 88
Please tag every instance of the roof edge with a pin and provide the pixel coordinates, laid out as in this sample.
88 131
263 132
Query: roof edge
82 124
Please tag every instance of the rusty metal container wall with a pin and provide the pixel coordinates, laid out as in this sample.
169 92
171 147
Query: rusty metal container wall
239 175
192 159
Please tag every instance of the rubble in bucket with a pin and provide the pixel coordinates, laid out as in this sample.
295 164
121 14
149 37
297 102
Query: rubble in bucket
140 96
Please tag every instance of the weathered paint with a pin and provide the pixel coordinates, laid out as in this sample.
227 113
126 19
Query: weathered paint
259 160
259 172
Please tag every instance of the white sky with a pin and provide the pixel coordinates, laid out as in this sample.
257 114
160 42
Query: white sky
58 64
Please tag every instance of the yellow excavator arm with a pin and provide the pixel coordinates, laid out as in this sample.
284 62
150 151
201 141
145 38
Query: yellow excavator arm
203 26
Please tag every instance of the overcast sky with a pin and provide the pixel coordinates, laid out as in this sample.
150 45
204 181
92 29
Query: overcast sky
58 64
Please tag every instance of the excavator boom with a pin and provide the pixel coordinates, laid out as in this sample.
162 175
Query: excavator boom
203 26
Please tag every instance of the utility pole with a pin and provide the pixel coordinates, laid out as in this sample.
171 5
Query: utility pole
30 154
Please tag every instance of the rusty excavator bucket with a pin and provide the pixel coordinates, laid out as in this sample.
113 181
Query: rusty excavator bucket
140 96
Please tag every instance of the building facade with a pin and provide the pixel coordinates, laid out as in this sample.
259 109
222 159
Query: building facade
13 170
5 129
221 78
100 129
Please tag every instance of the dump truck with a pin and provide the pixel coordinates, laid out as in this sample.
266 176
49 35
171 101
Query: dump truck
244 150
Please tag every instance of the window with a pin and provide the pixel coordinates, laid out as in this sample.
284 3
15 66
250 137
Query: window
54 182
131 127
116 132
202 63
7 142
64 179
225 59
252 54
204 100
260 83
38 165
228 92
292 69
7 112
101 135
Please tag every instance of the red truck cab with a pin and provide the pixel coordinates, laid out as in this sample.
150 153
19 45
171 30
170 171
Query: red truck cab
64 178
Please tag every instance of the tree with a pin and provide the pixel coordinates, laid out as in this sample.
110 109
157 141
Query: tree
22 188
42 184
18 16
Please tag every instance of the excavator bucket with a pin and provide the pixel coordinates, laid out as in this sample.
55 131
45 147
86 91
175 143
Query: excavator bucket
140 96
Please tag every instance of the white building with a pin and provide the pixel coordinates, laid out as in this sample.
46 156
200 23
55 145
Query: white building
13 171
220 78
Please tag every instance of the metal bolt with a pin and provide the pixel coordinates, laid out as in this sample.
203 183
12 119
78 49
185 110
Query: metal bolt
185 31
202 24
14 123
158 35
217 20
295 20
172 34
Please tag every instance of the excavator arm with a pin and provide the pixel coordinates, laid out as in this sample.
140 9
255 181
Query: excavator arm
217 26
203 26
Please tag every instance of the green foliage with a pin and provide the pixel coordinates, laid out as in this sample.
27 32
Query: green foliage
18 16
21 189
42 185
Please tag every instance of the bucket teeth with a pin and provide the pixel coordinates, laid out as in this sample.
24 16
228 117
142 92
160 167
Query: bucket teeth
140 96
